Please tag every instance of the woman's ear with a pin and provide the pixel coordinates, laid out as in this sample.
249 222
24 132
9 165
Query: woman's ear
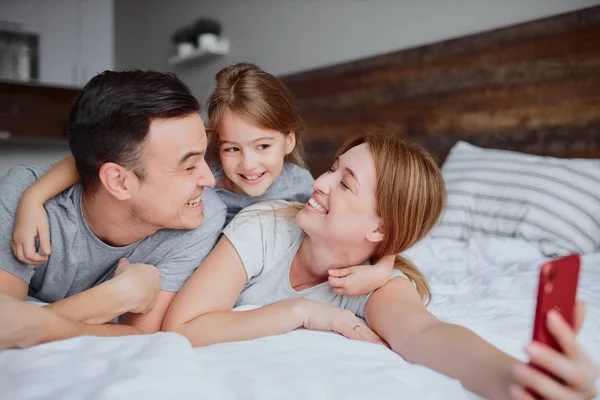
290 142
376 235
116 180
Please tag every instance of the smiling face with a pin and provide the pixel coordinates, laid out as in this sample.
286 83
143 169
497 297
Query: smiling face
252 158
176 174
343 208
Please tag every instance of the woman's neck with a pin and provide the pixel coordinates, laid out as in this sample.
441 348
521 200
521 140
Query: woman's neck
314 259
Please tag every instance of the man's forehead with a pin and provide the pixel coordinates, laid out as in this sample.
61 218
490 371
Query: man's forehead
173 139
174 151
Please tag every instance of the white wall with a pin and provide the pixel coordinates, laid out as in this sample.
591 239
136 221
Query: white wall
25 12
76 37
284 36
76 41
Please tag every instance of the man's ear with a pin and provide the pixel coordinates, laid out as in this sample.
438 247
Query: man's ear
290 142
116 180
376 235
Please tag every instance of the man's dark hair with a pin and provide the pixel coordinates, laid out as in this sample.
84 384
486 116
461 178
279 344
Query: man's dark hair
111 116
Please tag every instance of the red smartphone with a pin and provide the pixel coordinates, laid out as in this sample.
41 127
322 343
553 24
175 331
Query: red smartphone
557 290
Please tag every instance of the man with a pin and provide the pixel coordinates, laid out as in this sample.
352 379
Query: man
143 207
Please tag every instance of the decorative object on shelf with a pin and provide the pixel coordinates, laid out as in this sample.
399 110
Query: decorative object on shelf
185 40
199 41
198 54
208 32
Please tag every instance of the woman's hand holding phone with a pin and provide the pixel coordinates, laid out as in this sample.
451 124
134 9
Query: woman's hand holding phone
573 366
559 367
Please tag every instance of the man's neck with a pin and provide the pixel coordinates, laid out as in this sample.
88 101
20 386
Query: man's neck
111 220
314 259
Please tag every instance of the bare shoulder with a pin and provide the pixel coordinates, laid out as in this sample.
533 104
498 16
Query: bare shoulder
397 296
397 288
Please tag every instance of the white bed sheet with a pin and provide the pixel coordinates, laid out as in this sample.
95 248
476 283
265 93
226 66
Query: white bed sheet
486 285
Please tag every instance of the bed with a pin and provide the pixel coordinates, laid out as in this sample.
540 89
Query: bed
485 284
482 263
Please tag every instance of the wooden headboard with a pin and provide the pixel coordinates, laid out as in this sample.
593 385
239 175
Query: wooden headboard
533 87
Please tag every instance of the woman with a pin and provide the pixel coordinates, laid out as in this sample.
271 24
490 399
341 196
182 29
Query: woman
380 197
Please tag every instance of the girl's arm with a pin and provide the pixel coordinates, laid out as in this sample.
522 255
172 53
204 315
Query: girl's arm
361 279
396 313
61 176
31 219
201 310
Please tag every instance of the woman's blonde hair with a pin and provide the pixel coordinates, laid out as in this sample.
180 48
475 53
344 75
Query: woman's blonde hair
410 197
259 98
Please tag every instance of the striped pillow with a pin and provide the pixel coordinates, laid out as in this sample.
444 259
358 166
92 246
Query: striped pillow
552 202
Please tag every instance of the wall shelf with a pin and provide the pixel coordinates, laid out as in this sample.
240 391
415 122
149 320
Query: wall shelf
200 55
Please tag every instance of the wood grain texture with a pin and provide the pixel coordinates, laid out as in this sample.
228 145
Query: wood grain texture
34 112
533 87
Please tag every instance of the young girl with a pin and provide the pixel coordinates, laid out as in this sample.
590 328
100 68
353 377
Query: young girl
255 152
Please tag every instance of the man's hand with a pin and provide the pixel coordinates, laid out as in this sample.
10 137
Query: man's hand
141 282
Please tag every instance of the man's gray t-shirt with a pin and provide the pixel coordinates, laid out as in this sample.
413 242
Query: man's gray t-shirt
295 184
267 244
80 260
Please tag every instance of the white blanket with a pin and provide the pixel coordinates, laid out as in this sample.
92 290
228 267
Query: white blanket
479 284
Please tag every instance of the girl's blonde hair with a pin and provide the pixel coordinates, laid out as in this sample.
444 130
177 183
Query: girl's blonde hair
258 97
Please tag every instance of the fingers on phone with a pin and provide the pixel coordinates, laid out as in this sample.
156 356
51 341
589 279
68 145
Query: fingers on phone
518 393
563 333
579 316
541 383
555 363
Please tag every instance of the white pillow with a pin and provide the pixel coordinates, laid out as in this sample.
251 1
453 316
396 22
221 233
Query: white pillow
549 201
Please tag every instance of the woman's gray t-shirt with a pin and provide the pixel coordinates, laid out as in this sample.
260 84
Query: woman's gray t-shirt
267 243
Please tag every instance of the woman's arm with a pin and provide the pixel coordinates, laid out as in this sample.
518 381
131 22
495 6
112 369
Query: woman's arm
395 312
201 311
